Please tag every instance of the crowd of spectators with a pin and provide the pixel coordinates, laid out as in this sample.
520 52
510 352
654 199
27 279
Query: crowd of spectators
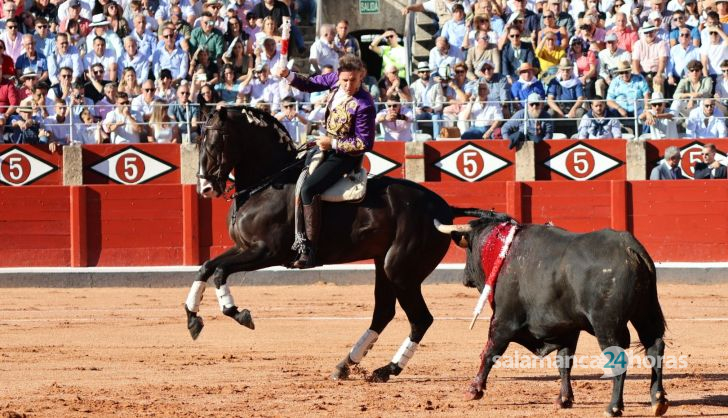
589 68
151 70
127 71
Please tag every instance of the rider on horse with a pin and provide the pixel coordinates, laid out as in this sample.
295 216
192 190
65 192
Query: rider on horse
350 127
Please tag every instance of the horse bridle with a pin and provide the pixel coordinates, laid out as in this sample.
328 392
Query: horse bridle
218 177
221 180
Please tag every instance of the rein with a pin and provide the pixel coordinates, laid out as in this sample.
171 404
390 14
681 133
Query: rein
240 196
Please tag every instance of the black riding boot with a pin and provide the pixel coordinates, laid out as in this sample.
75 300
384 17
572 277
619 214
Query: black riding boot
312 218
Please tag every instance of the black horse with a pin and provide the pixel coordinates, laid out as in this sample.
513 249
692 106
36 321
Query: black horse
393 225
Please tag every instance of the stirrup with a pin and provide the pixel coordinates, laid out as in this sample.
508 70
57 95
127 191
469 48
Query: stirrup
305 260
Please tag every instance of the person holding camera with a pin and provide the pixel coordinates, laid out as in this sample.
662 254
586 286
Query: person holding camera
121 123
395 120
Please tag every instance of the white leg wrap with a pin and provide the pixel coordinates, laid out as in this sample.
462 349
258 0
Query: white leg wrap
405 353
224 297
195 296
360 349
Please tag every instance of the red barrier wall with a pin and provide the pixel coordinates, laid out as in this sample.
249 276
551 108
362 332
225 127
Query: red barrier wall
165 223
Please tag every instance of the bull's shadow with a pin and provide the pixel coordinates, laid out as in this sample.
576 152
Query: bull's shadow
708 400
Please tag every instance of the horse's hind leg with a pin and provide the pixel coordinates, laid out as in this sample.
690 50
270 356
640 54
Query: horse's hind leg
197 290
420 319
384 308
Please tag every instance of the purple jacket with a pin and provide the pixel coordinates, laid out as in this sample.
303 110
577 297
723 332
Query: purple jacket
351 123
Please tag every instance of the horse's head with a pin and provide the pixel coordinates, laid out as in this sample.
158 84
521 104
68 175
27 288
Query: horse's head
215 152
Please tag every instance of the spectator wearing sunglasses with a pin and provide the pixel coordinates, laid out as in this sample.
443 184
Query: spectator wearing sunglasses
32 59
395 120
721 88
658 119
208 37
709 168
393 53
171 57
184 112
536 128
706 121
295 121
45 40
122 124
95 82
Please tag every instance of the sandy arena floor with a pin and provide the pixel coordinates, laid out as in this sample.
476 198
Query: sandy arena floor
126 352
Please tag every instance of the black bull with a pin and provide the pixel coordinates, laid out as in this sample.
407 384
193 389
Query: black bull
555 284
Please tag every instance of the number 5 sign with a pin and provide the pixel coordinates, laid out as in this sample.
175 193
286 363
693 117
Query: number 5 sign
581 162
471 163
19 168
131 166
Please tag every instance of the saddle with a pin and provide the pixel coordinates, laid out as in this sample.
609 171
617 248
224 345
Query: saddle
352 187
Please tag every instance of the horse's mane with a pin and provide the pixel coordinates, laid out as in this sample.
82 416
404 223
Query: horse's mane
259 118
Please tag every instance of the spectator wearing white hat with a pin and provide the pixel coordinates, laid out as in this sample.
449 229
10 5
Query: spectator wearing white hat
649 56
27 82
609 58
537 127
706 121
658 119
25 128
100 27
657 19
428 96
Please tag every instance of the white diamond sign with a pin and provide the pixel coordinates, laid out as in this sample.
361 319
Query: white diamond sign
378 165
471 163
581 162
131 166
19 168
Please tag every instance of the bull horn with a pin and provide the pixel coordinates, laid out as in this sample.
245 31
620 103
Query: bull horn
447 229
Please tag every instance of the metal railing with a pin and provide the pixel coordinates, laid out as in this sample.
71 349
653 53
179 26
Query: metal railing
443 118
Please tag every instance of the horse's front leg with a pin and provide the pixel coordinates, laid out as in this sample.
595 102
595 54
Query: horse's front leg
232 261
197 291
